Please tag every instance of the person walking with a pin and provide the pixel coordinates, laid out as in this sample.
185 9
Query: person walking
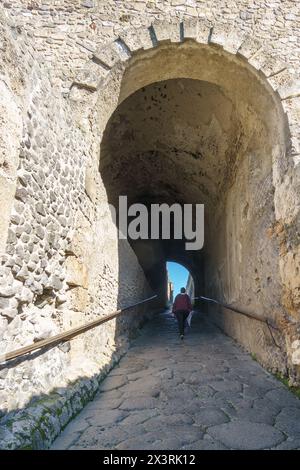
182 306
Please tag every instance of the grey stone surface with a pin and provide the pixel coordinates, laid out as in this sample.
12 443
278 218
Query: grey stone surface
246 435
193 407
288 421
210 416
112 383
138 403
105 418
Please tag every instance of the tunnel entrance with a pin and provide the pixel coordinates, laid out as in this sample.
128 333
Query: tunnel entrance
178 276
195 125
188 141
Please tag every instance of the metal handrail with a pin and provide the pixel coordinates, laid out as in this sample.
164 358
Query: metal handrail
67 335
270 324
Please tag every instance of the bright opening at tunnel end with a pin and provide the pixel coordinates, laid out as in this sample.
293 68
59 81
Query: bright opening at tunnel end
159 221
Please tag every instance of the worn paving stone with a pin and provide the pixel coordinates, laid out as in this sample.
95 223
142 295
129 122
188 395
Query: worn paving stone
166 422
113 382
144 386
104 417
202 393
143 374
288 421
210 416
266 404
205 444
246 435
226 385
101 439
133 419
147 441
252 391
282 397
66 440
255 415
111 395
181 392
289 444
169 443
187 433
100 403
198 404
173 406
138 403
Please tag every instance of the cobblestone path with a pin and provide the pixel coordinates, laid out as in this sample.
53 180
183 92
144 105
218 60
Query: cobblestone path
202 393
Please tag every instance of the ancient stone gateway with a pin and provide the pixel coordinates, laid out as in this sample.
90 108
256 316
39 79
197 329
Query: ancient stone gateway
179 110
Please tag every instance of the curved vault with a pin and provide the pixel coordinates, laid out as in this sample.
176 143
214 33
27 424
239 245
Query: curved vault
229 132
200 129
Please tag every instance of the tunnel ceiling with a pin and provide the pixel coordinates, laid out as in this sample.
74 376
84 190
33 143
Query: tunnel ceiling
172 141
179 140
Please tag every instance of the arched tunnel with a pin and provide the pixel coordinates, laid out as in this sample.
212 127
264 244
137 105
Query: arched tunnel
188 141
194 125
155 150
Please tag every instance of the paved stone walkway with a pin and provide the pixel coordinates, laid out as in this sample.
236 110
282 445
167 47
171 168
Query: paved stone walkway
203 393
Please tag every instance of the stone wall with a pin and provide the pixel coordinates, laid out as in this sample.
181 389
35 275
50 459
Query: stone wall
63 31
58 269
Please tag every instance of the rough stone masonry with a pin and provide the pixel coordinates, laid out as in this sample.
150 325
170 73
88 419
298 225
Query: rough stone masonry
165 101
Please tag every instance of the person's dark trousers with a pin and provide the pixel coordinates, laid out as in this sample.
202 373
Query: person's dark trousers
181 316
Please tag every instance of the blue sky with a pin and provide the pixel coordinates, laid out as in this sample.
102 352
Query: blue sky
178 275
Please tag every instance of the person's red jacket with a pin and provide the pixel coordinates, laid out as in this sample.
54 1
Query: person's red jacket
182 302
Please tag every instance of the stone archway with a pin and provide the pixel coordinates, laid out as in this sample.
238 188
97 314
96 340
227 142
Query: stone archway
252 79
58 272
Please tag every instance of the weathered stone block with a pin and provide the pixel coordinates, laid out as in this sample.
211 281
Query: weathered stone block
15 219
289 90
226 37
131 40
76 272
9 313
167 31
144 37
25 295
108 55
21 194
190 29
249 47
272 66
264 61
40 232
7 291
89 77
78 298
23 274
40 208
279 79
